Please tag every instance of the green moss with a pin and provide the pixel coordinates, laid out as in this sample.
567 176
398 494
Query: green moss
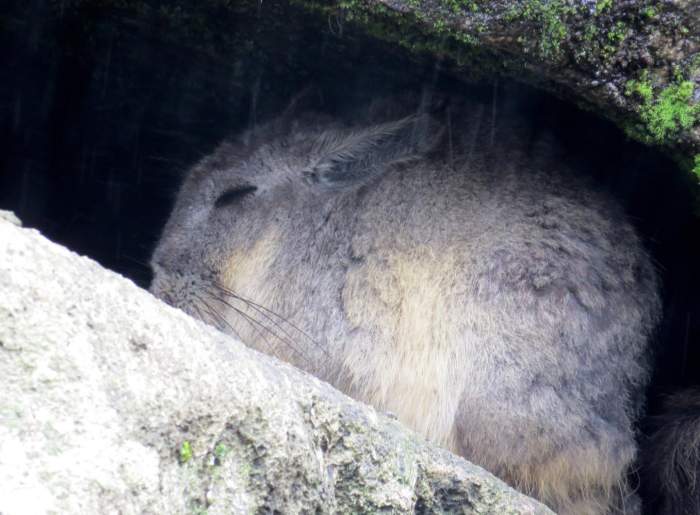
667 113
618 33
694 67
549 16
649 12
402 29
590 33
440 26
609 47
663 113
602 5
221 450
185 452
467 39
696 166
640 87
459 6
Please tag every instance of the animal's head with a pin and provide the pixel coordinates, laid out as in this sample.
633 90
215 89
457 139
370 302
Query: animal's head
266 185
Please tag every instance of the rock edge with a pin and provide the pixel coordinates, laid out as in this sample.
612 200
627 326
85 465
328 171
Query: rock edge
113 402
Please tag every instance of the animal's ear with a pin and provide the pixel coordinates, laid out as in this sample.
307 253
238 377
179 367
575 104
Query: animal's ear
308 99
347 158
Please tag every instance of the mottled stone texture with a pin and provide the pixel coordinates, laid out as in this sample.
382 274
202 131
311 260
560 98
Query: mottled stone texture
113 402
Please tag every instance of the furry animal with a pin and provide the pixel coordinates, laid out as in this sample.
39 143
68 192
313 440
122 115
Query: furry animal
672 456
472 285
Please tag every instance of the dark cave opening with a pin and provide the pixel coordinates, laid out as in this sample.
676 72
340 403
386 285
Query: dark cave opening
102 112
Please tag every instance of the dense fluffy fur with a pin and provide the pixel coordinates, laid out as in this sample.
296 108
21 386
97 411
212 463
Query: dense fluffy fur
468 283
672 457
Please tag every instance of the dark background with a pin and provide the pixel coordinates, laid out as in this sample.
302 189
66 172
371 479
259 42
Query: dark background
102 110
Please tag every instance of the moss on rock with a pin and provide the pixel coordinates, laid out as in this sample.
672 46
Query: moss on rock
667 113
591 53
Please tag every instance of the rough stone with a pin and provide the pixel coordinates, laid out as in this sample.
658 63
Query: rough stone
113 402
9 216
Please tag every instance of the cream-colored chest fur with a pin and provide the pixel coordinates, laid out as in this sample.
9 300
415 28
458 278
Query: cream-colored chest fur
405 357
402 353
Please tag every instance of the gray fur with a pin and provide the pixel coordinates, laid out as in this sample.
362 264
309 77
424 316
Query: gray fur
672 457
480 291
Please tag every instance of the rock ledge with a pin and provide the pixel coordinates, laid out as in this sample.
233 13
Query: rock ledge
113 402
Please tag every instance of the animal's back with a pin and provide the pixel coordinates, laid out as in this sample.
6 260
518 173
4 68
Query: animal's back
518 305
492 300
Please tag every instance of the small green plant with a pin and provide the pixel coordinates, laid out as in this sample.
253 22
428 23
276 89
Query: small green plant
548 14
602 6
220 451
457 6
617 33
185 452
649 12
641 87
667 113
549 18
590 33
198 509
696 167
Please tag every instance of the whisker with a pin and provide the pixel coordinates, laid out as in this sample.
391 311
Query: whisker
222 322
199 313
254 322
207 309
268 313
267 317
256 330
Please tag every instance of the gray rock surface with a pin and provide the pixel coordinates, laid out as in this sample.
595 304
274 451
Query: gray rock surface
9 216
112 402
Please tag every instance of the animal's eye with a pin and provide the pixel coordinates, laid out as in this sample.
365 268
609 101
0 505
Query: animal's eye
233 195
